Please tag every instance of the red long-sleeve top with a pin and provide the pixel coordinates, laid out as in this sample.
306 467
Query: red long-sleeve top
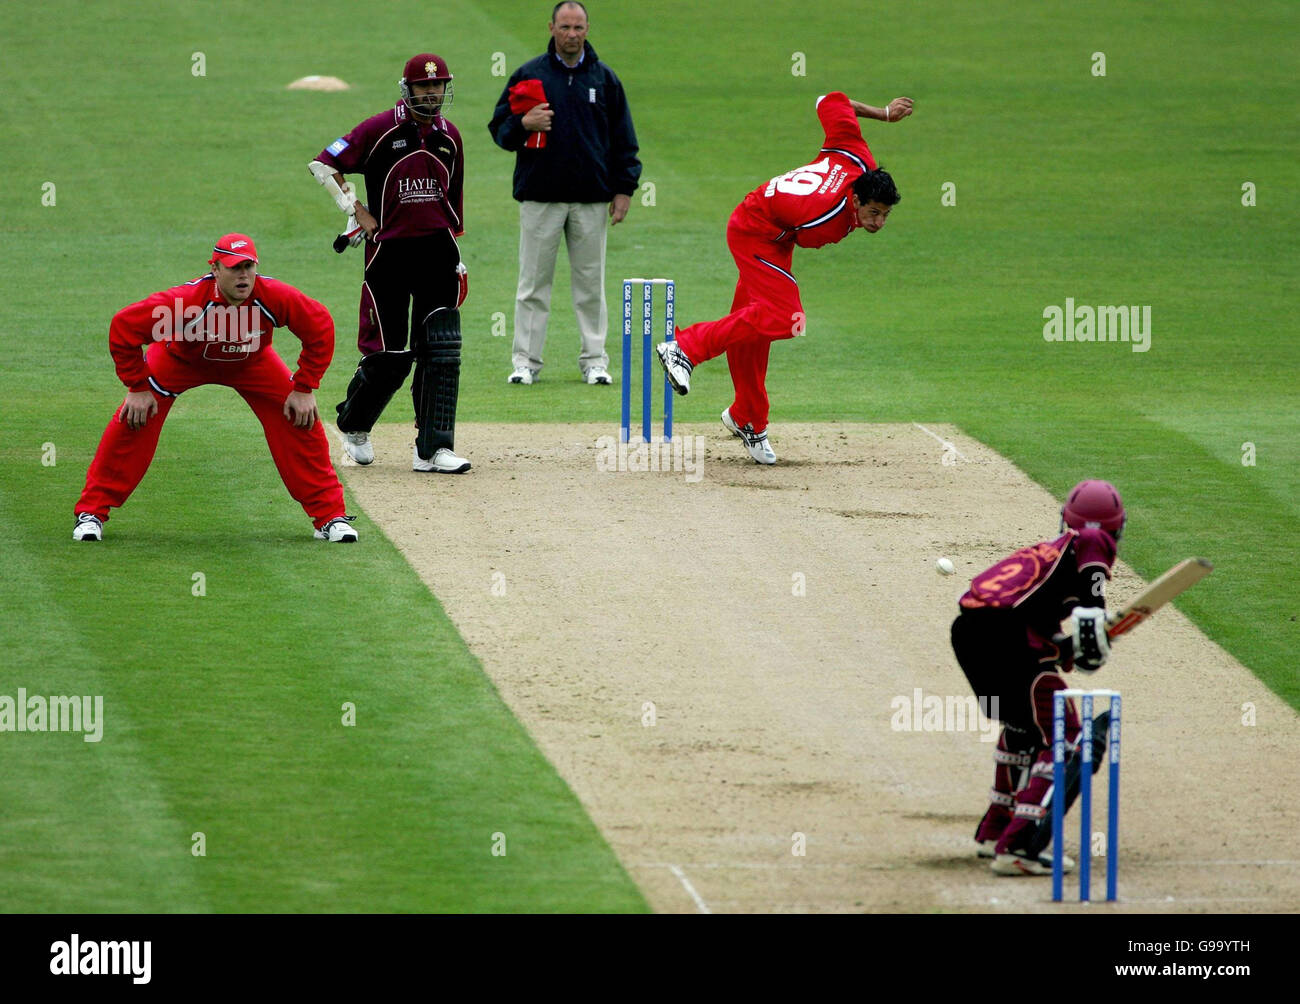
195 321
810 205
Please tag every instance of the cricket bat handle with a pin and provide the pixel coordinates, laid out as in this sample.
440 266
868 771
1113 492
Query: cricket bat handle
1114 628
342 241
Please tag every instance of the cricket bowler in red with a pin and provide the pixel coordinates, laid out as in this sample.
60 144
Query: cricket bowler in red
217 330
818 204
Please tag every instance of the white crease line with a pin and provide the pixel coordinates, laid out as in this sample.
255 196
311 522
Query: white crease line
1179 900
1019 903
1180 864
1015 905
940 440
345 459
686 883
862 866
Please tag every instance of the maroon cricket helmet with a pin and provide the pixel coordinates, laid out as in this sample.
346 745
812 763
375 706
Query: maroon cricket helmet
1094 503
426 68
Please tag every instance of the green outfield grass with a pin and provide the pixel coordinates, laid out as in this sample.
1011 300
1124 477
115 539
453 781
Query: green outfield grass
1114 190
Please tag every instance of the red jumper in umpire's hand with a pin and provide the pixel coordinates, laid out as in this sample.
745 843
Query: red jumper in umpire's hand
1009 643
217 330
414 280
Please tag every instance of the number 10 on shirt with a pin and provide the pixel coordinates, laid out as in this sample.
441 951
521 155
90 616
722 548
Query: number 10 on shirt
647 370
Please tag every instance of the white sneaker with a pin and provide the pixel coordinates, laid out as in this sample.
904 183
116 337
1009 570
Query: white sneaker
88 527
338 531
986 848
357 446
1020 863
757 445
598 375
676 366
443 462
522 375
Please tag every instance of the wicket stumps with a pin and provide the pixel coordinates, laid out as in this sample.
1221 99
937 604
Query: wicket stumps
1085 794
648 365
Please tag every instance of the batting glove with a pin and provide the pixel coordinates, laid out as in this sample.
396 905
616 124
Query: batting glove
1088 635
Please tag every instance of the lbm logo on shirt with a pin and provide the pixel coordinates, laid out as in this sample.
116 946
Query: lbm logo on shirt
338 146
591 95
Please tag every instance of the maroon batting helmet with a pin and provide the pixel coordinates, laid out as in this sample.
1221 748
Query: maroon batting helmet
426 68
1094 503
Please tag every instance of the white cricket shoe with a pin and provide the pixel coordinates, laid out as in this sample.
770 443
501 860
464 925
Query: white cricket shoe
1020 863
88 527
676 366
986 848
523 375
598 375
338 531
357 446
443 462
757 445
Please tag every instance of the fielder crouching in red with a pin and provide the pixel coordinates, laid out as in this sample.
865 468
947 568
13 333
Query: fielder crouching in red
217 330
1007 640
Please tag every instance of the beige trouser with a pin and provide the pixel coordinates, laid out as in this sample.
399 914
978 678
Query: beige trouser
540 225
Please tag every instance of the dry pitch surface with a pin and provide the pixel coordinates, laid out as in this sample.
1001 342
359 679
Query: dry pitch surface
776 619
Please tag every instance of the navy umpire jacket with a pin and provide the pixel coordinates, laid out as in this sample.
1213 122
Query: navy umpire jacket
591 150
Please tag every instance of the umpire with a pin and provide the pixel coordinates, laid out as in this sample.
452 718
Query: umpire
566 118
414 281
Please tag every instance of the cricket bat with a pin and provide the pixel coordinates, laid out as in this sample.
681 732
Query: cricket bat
1178 579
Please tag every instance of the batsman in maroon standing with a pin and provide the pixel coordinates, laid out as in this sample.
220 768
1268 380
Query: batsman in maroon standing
821 203
414 168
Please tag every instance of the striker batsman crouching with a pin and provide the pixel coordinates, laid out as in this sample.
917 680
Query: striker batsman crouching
1006 640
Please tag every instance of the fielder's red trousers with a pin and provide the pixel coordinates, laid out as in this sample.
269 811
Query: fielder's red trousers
766 308
302 456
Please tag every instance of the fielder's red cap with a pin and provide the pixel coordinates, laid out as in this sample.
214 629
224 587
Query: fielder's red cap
425 67
232 249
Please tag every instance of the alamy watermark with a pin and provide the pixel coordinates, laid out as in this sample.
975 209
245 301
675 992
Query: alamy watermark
75 957
1098 324
949 713
683 454
53 714
237 328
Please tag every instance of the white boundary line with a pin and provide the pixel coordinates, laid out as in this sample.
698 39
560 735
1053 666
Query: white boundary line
940 440
686 883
